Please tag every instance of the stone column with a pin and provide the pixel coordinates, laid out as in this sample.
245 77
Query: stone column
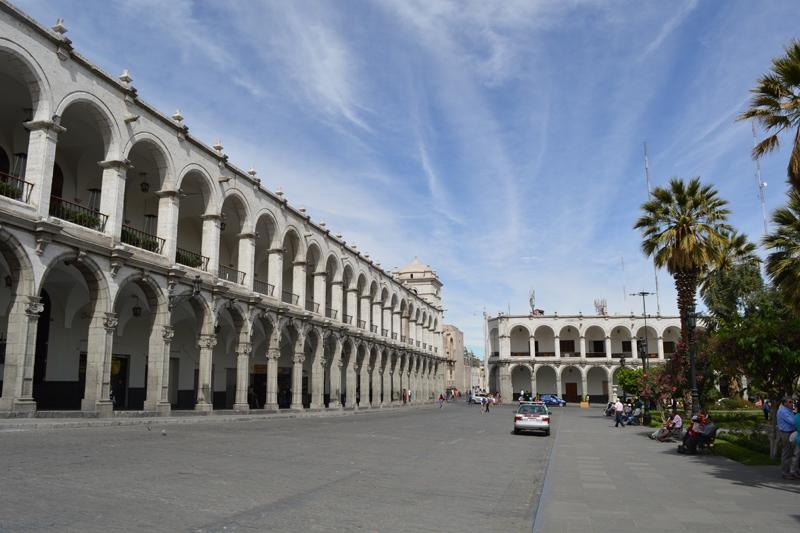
247 257
582 344
112 195
210 245
297 380
205 396
299 282
660 348
505 347
558 381
386 399
533 381
336 376
557 345
243 350
319 291
350 394
532 346
336 299
275 271
364 383
412 330
157 398
403 327
377 317
584 383
608 347
167 229
96 396
273 354
396 324
41 160
23 322
386 321
365 305
352 303
317 381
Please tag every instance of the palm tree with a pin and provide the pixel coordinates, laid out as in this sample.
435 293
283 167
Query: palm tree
683 228
735 249
776 107
783 264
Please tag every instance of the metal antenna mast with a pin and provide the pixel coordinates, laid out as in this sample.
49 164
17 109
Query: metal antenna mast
647 177
760 184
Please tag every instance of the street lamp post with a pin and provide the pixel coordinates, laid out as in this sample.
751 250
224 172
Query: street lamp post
642 348
691 324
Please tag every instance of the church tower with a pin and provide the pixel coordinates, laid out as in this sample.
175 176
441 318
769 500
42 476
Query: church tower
421 279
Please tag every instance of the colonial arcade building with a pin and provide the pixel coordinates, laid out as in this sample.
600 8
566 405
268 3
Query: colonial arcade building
143 271
573 356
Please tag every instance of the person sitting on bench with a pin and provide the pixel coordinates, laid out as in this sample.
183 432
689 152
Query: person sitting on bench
672 427
705 435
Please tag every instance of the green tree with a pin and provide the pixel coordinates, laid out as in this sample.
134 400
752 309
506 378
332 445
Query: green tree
764 345
783 263
683 229
630 379
775 106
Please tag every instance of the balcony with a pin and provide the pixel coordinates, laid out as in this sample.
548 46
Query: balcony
191 259
262 287
331 312
290 298
520 354
373 328
595 354
384 332
619 355
402 338
15 188
417 344
312 306
77 214
495 354
394 336
362 324
347 319
231 274
545 354
141 239
435 349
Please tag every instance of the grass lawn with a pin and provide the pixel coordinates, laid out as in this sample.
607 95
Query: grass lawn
744 449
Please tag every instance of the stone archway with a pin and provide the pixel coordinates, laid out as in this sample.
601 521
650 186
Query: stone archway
520 381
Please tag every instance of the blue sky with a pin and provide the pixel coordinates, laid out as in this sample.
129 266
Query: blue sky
501 142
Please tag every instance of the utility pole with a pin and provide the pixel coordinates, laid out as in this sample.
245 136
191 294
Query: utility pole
647 177
641 346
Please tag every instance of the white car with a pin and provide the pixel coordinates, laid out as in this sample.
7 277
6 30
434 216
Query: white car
532 417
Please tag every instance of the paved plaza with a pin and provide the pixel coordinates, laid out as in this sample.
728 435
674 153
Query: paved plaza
418 469
606 480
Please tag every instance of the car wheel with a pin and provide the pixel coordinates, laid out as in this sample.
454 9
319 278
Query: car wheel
547 433
516 431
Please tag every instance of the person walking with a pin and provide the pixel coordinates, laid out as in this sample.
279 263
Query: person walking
441 400
786 427
765 406
488 403
618 409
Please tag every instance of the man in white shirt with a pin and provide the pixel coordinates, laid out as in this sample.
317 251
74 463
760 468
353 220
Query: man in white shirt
618 408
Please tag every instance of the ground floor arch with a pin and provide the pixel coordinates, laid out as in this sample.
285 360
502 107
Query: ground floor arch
521 381
546 380
572 384
598 384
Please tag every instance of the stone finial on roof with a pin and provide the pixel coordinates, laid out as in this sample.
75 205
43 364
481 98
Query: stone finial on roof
125 78
218 146
252 171
322 224
177 117
59 27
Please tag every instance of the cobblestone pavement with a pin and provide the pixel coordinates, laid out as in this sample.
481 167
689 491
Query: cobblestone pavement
407 470
603 479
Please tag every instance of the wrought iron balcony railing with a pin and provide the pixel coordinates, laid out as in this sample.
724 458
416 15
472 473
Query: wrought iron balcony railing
77 214
394 336
231 274
263 287
384 332
191 259
362 324
373 328
312 306
15 188
347 319
290 298
330 312
141 239
402 338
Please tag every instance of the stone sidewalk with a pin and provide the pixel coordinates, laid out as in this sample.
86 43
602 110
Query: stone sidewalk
130 418
606 479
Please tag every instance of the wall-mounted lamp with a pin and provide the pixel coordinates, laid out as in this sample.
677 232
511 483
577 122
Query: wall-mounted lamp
9 281
144 186
137 309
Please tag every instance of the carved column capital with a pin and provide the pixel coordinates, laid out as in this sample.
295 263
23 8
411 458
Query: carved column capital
110 322
167 333
207 341
34 307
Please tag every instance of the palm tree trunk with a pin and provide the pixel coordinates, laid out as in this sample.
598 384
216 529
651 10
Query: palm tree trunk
686 286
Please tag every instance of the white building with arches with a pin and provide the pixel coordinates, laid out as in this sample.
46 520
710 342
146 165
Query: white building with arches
144 271
573 355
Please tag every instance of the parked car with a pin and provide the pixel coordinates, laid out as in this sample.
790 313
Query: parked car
552 399
477 398
532 417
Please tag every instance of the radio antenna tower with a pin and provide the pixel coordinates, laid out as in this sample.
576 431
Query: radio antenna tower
647 177
761 185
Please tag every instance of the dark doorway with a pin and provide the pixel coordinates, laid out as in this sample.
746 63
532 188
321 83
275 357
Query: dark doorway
5 164
119 381
571 394
257 396
284 387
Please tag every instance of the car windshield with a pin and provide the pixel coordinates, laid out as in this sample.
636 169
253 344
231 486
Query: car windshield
532 410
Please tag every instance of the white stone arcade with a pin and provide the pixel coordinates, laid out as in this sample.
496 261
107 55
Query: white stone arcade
573 356
144 271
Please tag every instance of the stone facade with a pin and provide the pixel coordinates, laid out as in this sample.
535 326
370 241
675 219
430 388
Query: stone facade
456 374
572 356
144 271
